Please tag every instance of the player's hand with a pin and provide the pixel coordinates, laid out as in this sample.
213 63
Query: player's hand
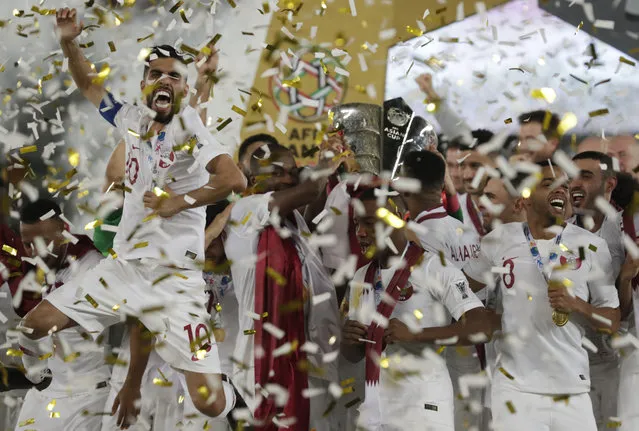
166 205
629 269
66 24
353 332
561 299
217 225
425 83
127 405
338 146
411 236
397 332
207 65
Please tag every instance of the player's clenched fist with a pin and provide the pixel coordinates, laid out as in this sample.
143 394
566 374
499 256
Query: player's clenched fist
561 299
67 25
353 332
397 332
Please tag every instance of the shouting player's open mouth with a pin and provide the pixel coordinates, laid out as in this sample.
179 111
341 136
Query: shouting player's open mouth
578 196
558 203
162 100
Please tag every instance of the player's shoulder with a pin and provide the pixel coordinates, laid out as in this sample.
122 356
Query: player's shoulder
578 236
502 235
435 264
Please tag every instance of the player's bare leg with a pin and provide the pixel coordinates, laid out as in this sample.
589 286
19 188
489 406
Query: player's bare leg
36 325
211 395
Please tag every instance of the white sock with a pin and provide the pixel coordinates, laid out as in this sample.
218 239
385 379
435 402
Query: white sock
32 350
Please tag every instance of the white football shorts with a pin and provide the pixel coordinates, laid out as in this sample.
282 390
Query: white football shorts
169 302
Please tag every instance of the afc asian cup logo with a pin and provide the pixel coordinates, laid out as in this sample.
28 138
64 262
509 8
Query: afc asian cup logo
311 87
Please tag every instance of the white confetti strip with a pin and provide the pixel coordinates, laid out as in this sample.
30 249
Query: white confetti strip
600 318
70 237
274 330
605 24
322 297
189 200
589 345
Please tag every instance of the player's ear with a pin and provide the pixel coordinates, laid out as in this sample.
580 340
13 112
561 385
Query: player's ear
142 85
611 183
186 90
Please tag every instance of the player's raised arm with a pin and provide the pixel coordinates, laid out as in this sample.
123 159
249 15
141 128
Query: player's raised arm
68 29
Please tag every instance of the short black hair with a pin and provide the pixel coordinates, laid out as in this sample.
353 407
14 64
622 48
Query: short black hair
275 152
163 51
34 211
482 136
427 167
261 137
602 158
215 209
552 128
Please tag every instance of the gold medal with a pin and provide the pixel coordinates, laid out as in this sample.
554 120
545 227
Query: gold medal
560 318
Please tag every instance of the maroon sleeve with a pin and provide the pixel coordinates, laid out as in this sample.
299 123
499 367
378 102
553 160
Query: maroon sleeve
16 268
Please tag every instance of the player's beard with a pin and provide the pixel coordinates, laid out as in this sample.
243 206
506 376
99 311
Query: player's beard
165 118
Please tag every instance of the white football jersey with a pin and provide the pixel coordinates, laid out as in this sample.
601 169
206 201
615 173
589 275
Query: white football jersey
536 355
434 292
249 216
449 235
611 232
220 289
179 156
467 205
84 371
337 207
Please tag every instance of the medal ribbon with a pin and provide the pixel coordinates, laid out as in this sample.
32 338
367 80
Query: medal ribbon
534 251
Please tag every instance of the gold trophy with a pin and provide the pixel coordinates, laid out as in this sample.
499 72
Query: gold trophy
559 318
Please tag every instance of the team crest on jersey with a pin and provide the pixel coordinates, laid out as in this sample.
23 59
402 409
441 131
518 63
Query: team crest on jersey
406 293
167 159
461 286
570 262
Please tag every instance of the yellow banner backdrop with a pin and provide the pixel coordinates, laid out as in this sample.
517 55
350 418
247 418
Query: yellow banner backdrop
324 53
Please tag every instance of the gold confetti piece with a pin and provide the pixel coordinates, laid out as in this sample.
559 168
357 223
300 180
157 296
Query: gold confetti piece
280 280
92 225
249 331
8 249
29 421
160 279
441 349
238 110
112 253
442 258
104 283
347 382
578 79
152 309
568 122
86 45
598 112
203 391
246 218
581 24
295 82
525 193
389 218
141 244
232 3
28 149
224 124
54 415
449 39
418 314
529 297
592 247
506 373
133 133
74 157
508 120
14 352
414 31
511 407
160 193
91 301
51 405
613 424
43 11
384 363
336 211
176 6
625 60
164 383
183 15
72 357
560 398
111 46
352 403
548 94
116 307
218 307
142 39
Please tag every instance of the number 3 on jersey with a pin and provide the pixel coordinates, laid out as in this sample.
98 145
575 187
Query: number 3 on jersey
509 277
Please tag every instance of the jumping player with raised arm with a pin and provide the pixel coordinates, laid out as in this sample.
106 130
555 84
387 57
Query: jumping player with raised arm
157 257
